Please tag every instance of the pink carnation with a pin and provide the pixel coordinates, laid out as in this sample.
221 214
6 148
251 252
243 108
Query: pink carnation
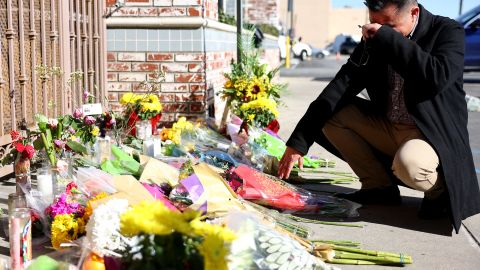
89 120
77 114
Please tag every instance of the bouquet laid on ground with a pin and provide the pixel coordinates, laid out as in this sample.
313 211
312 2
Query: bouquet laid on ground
248 82
163 239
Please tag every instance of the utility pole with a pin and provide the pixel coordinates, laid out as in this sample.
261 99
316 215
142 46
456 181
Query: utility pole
239 30
461 7
289 34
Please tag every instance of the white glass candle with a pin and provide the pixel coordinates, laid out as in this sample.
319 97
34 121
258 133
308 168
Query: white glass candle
44 182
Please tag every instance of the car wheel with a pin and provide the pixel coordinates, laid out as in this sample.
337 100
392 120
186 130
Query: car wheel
320 55
303 55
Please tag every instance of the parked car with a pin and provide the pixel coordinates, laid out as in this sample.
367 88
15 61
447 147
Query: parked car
300 50
319 53
471 23
348 46
340 39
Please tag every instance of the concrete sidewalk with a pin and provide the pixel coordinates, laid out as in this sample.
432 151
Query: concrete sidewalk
432 244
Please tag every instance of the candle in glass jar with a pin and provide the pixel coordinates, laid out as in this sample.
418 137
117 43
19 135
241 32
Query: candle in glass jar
44 183
20 232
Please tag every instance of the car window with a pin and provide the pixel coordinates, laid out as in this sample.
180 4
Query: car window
466 17
474 23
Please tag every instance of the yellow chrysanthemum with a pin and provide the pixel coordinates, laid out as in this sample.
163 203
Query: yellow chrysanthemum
129 98
95 131
154 218
66 228
261 104
228 84
89 209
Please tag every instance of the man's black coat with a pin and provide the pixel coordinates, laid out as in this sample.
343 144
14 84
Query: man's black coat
431 64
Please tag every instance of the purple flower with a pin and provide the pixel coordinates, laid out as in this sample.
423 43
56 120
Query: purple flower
62 206
71 130
86 94
60 144
77 114
89 120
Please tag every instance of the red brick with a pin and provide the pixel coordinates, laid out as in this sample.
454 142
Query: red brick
145 67
185 78
111 57
189 57
174 67
111 2
112 77
196 67
112 96
172 11
126 11
116 107
148 11
167 97
167 117
118 67
197 87
132 77
113 86
197 107
139 57
190 97
174 87
159 56
193 11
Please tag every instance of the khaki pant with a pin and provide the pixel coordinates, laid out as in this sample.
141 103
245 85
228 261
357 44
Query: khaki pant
354 132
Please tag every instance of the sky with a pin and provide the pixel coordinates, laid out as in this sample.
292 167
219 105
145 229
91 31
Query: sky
448 8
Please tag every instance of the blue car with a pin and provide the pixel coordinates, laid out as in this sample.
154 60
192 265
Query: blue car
471 22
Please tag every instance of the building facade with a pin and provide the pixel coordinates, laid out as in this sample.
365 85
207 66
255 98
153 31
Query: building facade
318 23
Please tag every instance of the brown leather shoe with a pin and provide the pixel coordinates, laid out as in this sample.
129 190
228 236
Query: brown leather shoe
382 196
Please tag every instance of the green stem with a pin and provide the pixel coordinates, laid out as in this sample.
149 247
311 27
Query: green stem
369 252
352 262
336 242
379 259
49 150
306 220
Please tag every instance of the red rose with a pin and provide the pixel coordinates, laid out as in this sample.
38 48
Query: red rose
20 147
70 186
29 152
15 135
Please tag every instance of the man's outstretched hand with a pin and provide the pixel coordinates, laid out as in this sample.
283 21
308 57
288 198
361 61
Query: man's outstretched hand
288 160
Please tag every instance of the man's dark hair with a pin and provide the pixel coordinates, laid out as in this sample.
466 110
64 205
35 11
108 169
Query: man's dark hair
377 5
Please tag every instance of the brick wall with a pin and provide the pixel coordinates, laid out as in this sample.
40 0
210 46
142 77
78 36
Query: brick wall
182 93
262 12
167 8
194 60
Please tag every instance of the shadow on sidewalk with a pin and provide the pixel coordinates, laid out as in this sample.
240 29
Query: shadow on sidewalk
403 216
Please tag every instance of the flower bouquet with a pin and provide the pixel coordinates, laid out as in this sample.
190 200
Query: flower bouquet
163 239
141 107
21 153
249 81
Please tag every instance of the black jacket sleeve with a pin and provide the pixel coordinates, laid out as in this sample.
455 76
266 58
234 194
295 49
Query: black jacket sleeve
347 82
432 71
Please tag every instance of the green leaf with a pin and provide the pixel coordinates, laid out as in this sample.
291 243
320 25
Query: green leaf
38 144
77 147
40 118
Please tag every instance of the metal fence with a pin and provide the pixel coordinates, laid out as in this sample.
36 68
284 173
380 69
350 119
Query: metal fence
44 46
